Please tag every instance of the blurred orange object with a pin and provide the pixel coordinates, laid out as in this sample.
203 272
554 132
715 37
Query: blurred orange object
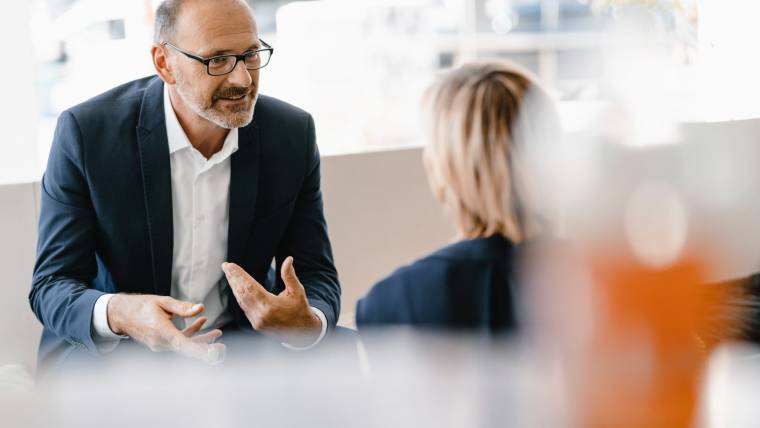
634 338
646 357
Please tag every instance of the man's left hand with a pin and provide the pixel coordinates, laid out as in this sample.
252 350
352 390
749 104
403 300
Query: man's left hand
286 315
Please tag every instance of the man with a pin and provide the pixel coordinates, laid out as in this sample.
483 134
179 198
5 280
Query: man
151 186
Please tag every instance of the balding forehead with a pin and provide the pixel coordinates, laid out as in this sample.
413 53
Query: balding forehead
242 4
213 24
209 8
175 16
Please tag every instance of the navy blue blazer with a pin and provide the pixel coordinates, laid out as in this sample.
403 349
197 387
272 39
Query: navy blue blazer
468 286
106 210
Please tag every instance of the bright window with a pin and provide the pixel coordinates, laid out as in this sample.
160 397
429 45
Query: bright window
359 66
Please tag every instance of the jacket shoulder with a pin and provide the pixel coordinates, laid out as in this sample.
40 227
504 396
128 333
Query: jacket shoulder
474 250
268 108
114 103
394 300
406 296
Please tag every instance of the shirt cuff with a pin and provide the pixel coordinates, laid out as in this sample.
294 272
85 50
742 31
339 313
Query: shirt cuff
322 333
105 339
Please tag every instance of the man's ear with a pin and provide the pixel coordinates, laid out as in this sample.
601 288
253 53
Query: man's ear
161 64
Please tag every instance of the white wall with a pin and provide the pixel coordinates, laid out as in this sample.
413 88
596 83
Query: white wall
20 160
381 214
19 329
378 207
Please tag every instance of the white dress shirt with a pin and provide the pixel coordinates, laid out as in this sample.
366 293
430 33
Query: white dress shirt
200 201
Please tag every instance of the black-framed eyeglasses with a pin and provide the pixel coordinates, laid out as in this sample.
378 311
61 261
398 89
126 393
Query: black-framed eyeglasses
219 65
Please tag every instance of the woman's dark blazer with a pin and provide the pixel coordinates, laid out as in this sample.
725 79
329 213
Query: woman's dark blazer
467 285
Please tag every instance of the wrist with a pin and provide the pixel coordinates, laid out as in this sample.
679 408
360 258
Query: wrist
311 327
312 323
113 314
309 336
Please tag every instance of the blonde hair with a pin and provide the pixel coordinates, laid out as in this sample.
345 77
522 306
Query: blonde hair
479 118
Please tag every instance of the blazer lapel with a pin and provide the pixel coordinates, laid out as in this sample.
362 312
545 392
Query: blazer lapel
156 175
244 185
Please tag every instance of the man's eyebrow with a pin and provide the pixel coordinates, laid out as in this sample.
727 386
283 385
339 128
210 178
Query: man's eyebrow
230 52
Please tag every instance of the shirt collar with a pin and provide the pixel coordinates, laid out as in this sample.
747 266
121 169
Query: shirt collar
178 139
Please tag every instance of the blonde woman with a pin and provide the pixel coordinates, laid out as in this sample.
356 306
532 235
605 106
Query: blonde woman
482 120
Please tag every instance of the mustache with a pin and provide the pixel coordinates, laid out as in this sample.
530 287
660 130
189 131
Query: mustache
234 91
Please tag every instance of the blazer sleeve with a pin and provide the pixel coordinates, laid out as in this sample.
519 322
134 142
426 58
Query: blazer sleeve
61 296
306 239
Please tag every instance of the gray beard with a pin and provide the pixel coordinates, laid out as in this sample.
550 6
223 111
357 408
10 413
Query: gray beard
231 121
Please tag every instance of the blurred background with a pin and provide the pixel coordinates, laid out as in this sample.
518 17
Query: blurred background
658 98
377 54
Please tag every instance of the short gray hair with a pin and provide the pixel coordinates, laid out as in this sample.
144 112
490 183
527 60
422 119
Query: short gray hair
166 20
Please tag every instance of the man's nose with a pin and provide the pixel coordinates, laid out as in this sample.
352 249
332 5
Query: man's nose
240 76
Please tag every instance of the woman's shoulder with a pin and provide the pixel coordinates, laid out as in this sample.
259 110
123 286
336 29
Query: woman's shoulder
460 254
394 296
471 250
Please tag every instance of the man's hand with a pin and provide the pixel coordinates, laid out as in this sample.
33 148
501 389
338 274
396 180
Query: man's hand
148 320
286 315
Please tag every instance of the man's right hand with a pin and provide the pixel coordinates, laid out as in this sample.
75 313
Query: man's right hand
148 320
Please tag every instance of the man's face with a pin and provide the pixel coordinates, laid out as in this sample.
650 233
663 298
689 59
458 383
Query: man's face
209 28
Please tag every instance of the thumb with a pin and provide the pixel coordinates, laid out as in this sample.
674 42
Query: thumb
178 307
288 273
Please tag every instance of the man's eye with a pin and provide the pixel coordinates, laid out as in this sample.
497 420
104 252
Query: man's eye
252 55
219 60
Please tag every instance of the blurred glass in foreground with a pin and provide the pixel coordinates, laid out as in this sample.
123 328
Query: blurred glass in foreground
659 215
631 319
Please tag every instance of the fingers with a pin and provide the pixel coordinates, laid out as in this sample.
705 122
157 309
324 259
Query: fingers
243 284
208 337
199 347
195 327
156 330
289 277
178 307
185 346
